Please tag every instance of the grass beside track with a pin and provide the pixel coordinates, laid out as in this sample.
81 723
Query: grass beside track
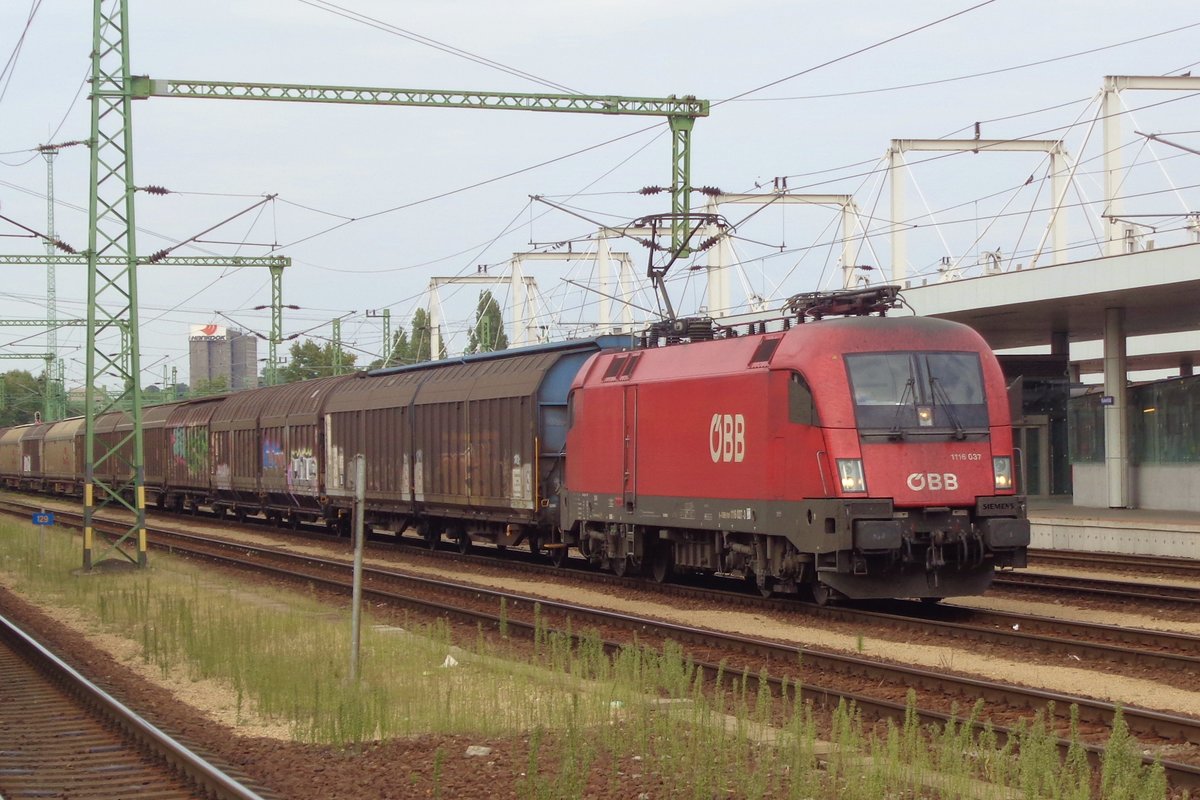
282 658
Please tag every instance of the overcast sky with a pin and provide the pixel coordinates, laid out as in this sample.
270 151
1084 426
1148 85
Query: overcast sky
374 202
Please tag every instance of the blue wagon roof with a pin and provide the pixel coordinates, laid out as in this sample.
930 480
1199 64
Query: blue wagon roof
608 342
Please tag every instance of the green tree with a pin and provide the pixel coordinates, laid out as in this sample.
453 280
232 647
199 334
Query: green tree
487 335
205 387
421 342
308 359
22 397
400 354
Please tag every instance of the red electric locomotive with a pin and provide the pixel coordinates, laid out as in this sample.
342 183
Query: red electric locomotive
857 457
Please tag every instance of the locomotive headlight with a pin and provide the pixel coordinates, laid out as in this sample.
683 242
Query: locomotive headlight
850 474
1002 467
925 416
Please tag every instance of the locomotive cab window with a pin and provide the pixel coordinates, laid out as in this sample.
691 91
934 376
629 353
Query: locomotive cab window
801 408
918 392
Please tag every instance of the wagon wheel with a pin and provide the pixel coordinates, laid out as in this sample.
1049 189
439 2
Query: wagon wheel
932 601
430 532
239 514
663 562
463 539
558 554
535 545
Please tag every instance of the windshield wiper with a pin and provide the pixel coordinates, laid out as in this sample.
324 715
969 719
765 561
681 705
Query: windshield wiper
897 432
939 395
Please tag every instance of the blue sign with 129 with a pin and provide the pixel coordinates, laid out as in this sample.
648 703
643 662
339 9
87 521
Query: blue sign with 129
43 518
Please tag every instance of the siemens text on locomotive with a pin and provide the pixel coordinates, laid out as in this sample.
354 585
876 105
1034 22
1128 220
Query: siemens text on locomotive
860 456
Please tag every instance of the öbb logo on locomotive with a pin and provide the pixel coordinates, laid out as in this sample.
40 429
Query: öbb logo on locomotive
727 438
932 481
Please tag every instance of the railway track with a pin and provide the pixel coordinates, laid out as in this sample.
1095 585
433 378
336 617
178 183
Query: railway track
876 687
1164 565
1097 643
62 736
1183 597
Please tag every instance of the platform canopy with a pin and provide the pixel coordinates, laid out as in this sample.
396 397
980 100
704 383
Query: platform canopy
1159 291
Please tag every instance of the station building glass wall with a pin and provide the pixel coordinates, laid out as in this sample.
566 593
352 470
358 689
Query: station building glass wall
1164 451
1164 424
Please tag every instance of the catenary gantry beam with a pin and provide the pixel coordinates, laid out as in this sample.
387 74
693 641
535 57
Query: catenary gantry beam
1119 234
681 114
899 227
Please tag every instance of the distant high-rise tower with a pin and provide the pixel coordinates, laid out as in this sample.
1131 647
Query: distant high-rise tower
216 351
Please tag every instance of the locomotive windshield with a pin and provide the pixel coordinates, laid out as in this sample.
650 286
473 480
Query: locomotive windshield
918 392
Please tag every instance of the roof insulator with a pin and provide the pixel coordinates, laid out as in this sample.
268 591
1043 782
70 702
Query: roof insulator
155 190
708 191
649 190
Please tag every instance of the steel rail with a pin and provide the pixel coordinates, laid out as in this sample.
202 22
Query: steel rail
211 781
1175 565
1098 587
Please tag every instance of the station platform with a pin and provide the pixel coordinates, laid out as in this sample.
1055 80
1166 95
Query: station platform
1057 524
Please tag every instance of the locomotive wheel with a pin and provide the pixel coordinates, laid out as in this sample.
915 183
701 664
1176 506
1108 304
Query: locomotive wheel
558 555
931 601
824 595
766 586
619 566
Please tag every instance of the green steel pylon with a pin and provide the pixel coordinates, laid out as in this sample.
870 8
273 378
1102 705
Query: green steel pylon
337 346
385 356
112 290
272 371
